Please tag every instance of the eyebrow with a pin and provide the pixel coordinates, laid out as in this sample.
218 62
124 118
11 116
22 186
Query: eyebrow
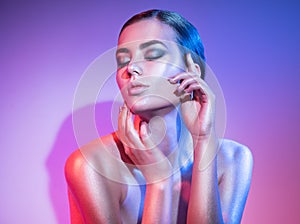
142 46
122 50
151 42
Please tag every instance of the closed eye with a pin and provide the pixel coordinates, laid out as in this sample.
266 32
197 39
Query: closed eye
153 54
122 60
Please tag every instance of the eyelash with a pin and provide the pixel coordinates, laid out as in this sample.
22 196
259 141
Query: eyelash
121 65
159 53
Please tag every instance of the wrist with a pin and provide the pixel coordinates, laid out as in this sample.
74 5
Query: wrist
205 150
162 185
205 138
157 173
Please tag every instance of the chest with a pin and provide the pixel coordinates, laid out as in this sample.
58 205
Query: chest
133 205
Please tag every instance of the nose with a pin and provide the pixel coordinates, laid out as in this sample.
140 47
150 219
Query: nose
134 69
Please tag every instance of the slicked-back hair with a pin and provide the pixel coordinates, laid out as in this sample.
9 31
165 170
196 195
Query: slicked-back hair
187 35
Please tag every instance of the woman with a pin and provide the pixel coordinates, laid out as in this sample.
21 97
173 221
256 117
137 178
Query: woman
168 114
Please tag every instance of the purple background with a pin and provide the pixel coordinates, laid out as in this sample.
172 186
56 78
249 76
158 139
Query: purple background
45 46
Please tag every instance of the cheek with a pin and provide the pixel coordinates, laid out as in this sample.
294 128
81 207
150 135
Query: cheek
165 90
172 70
165 69
120 81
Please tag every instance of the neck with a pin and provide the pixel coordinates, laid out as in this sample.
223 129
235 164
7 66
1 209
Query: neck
178 149
164 130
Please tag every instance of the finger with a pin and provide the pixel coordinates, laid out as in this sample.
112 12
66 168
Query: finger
143 130
130 153
121 122
122 127
131 132
181 76
141 156
202 86
137 123
199 95
186 83
155 132
145 135
194 87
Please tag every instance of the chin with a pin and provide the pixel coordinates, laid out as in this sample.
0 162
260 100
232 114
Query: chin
148 108
138 107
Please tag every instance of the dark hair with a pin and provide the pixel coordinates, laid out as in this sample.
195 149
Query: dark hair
187 35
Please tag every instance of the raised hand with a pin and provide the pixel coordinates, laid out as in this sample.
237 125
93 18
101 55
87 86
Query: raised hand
198 101
141 145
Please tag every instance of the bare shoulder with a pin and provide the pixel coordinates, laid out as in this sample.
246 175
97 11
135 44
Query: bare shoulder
235 163
92 173
100 158
232 151
235 156
94 156
74 163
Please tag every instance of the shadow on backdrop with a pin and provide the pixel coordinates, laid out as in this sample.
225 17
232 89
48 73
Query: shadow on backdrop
63 146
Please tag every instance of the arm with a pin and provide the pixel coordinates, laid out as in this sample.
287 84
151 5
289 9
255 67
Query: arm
210 203
93 198
157 205
235 181
154 166
204 204
224 203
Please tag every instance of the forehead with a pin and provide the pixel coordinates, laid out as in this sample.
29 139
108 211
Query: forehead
149 29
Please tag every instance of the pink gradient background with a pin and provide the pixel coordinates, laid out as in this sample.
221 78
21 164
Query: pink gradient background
45 46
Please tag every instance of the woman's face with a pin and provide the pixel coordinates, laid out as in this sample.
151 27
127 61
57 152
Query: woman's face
147 56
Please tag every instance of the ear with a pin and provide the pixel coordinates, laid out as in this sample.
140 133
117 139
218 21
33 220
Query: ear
198 68
191 65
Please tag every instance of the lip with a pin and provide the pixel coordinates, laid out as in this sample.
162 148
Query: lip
137 88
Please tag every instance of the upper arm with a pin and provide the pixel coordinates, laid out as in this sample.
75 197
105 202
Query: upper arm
235 182
93 198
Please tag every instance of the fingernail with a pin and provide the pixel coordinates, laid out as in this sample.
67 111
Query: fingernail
121 108
172 80
143 129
